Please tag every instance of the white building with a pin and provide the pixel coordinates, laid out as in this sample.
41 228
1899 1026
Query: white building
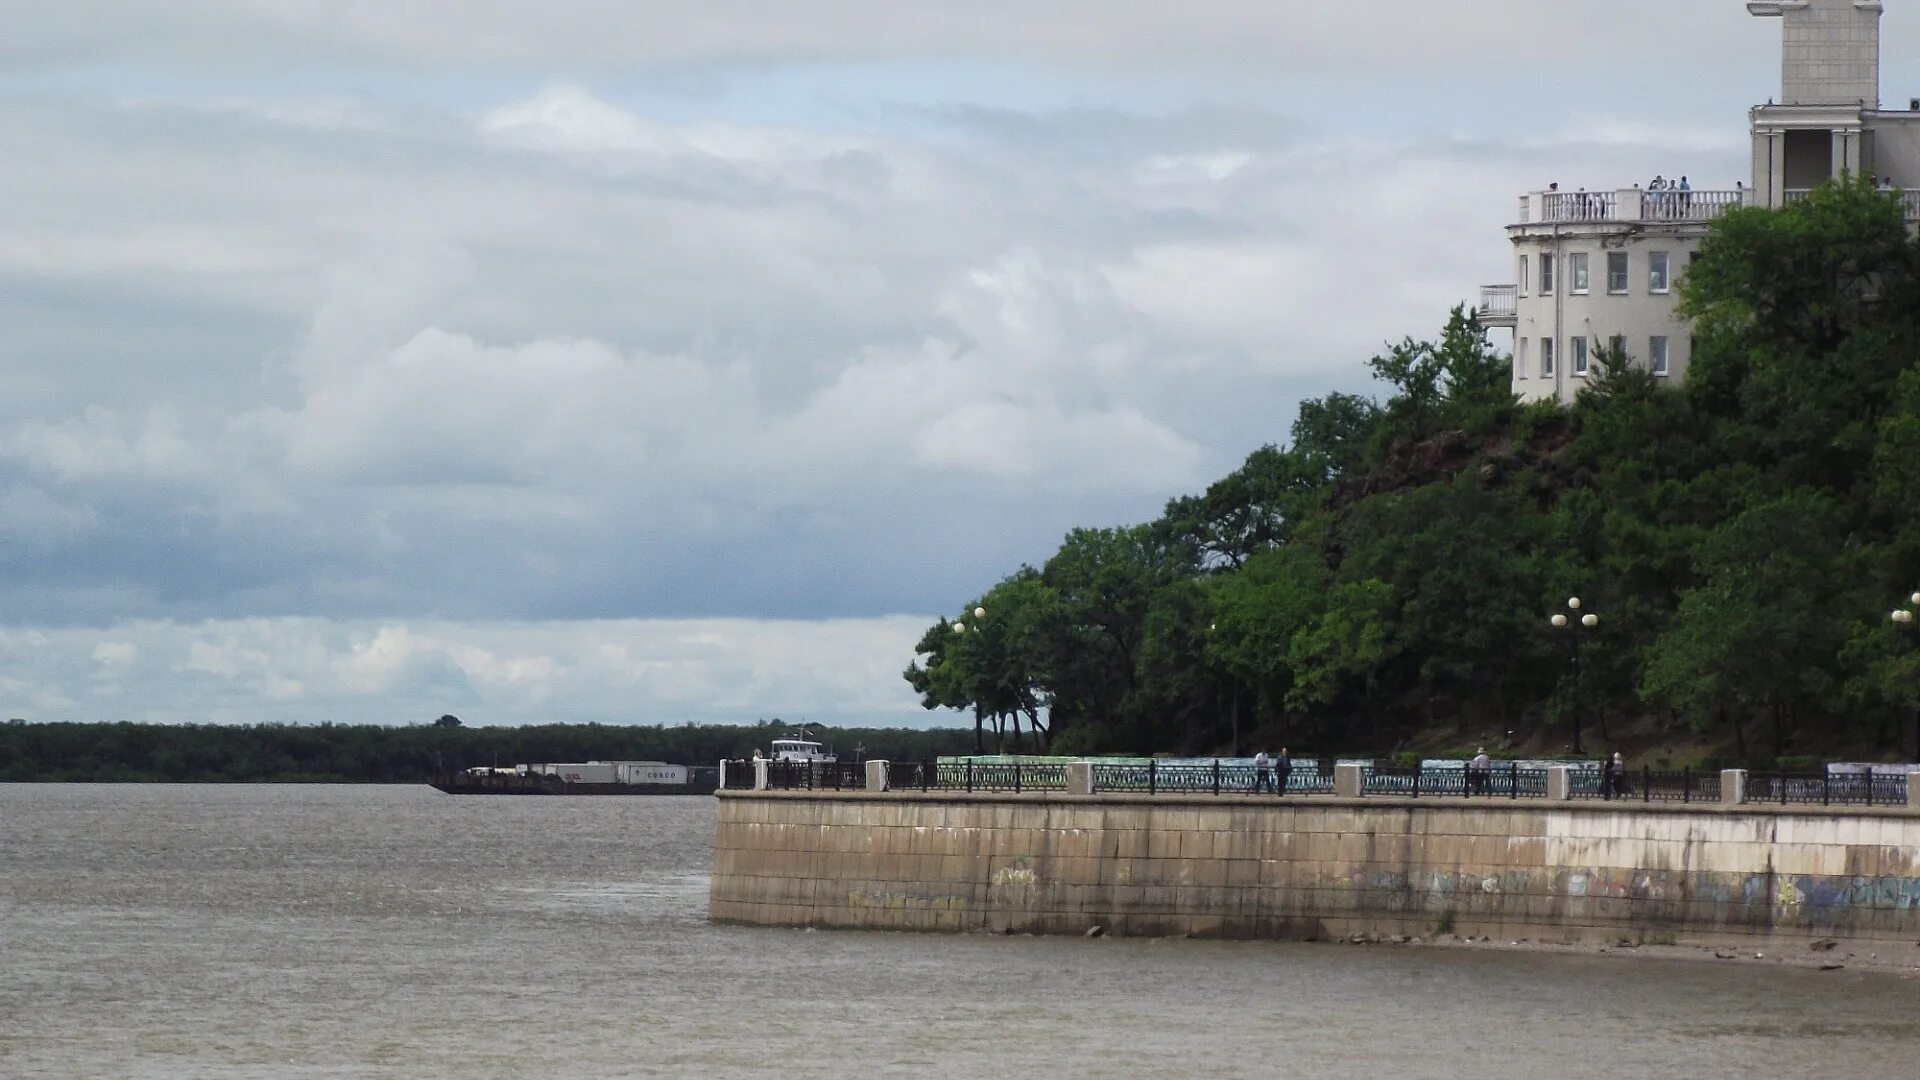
1597 269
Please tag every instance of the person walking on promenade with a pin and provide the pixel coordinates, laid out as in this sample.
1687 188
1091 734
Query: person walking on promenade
1262 780
1614 777
1477 772
1282 768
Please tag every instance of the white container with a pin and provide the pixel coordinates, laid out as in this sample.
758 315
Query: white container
652 772
589 772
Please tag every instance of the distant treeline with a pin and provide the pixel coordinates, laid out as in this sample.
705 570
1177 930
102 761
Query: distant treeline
373 754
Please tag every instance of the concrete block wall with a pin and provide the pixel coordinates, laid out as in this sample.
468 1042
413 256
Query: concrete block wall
1312 868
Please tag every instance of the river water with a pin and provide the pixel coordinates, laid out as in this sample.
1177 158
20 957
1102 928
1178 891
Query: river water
287 931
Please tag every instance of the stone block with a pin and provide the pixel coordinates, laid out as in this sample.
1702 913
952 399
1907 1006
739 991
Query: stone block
1079 778
1347 781
1733 786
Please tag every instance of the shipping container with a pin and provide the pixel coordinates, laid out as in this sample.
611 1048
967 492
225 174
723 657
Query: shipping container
589 772
652 772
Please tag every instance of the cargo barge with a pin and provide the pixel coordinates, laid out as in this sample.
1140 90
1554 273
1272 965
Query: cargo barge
582 778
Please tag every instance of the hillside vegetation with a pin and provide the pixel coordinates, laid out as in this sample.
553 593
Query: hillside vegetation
1384 579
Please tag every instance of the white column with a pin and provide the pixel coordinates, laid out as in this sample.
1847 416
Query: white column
759 774
1559 783
1079 777
1733 786
1347 780
1913 789
876 776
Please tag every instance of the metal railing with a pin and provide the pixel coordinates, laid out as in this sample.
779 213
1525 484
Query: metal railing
1508 781
911 775
1498 301
1501 780
998 776
1828 789
1218 778
816 776
1685 786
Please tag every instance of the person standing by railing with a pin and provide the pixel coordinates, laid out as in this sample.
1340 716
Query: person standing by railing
1262 780
1478 770
1283 768
1613 778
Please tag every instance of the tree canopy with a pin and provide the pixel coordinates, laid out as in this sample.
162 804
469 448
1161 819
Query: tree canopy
1384 576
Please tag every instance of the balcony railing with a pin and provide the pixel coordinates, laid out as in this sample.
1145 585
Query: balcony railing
1499 304
1627 205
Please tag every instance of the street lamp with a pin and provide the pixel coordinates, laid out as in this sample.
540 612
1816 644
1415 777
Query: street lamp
961 629
1580 624
1903 618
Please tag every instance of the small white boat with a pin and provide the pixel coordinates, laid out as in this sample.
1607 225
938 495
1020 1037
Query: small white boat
795 748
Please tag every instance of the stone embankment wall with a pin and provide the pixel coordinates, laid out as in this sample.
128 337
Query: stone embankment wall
1244 867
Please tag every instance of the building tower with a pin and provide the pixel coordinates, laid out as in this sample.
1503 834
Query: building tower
1598 269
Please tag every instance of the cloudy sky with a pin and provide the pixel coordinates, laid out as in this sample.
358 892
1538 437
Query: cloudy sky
612 360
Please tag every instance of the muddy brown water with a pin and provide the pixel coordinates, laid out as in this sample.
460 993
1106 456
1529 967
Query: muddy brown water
347 932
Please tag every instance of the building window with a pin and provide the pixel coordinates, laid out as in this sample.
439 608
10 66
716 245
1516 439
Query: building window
1546 358
1616 271
1617 351
1546 275
1523 275
1579 347
1577 266
1520 359
1657 280
1657 355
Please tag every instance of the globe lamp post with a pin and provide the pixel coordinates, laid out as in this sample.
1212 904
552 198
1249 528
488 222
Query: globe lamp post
1578 625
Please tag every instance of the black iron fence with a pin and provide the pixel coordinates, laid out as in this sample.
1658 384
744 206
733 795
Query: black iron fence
1001 776
1685 786
816 776
1508 780
1312 777
1828 789
1215 778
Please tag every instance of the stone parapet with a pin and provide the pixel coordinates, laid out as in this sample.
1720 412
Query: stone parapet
1315 867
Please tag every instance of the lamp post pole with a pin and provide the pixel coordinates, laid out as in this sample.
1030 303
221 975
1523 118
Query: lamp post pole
1577 625
1903 618
960 627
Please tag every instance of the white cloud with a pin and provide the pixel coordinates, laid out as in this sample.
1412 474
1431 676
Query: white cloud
563 403
1200 34
614 671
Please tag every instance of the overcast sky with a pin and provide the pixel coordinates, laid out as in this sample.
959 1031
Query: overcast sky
607 360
